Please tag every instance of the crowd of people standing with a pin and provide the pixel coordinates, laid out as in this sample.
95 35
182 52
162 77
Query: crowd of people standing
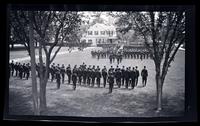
85 75
121 54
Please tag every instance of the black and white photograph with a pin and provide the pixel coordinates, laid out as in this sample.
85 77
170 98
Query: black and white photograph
97 63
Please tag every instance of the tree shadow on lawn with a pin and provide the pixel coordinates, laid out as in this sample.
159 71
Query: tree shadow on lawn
18 103
62 108
113 105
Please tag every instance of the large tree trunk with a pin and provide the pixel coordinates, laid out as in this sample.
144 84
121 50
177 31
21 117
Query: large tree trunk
42 82
43 104
159 92
43 86
159 85
33 71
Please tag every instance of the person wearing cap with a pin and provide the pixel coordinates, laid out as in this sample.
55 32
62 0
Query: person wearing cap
52 72
58 77
23 70
98 76
111 70
20 71
122 75
84 74
110 81
104 74
74 79
27 71
126 76
144 75
12 67
62 72
88 75
69 73
137 74
16 69
118 76
93 75
132 77
79 74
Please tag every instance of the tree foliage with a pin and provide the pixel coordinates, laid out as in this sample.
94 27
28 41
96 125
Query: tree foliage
50 29
162 33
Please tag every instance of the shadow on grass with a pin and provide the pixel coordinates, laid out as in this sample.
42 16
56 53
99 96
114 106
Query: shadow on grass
18 103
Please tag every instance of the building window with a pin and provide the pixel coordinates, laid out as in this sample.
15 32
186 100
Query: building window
90 41
108 32
111 32
102 32
96 32
89 32
99 41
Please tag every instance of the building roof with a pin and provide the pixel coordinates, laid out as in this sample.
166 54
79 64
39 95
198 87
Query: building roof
102 27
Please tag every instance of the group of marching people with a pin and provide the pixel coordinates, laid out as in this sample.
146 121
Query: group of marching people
86 75
20 70
91 75
122 54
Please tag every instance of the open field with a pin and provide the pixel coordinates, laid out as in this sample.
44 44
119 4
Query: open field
95 102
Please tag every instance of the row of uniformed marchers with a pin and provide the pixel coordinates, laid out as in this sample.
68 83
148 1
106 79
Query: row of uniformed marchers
91 75
21 70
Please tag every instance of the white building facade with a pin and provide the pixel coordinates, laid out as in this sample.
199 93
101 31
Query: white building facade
100 34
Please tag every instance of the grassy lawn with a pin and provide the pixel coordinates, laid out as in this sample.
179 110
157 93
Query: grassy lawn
95 102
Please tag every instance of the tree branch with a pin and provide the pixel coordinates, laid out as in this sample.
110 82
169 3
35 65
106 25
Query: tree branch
174 53
51 60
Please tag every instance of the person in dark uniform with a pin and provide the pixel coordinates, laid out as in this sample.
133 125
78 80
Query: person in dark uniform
79 74
98 55
118 76
137 74
110 81
23 70
89 70
132 73
126 76
16 67
122 75
62 71
69 72
111 70
12 67
104 74
113 57
20 71
93 75
129 73
28 68
144 75
75 70
83 66
84 72
58 77
110 57
52 72
74 79
98 76
118 58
